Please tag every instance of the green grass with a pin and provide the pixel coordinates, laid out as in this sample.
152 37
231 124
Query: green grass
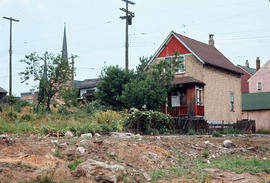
240 165
194 168
73 165
267 132
216 134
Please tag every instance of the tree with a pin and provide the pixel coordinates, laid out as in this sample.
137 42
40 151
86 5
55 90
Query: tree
52 73
110 87
151 85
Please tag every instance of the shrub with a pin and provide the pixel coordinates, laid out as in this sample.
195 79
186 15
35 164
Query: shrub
149 122
63 110
191 132
11 116
206 154
106 117
216 134
26 117
95 106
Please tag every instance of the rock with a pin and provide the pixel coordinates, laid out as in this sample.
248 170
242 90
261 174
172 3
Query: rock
228 144
69 134
63 145
251 148
87 135
147 176
97 135
125 135
106 179
5 139
206 142
53 150
62 173
81 150
92 167
54 141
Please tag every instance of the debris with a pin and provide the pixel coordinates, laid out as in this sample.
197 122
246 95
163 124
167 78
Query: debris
92 167
251 148
228 144
125 135
147 176
81 150
87 135
106 179
97 135
69 134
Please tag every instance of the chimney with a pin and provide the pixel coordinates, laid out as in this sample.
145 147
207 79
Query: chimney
211 40
258 63
247 64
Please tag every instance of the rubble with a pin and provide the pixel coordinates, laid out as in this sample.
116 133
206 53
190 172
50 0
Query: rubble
81 149
125 135
69 134
87 135
228 144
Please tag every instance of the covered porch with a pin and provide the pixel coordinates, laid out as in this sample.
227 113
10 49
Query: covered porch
185 98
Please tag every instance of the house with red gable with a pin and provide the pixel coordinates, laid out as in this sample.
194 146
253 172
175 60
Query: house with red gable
206 85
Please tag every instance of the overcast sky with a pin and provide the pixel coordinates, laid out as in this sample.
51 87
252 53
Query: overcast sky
95 33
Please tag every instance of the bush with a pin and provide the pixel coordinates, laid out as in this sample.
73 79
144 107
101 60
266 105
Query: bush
11 116
216 134
63 110
26 117
95 106
149 122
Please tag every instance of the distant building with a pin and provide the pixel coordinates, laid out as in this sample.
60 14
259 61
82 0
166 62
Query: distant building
256 106
87 89
30 97
247 73
3 93
260 81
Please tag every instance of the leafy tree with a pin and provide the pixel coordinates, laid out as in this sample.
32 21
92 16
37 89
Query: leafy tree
151 86
110 87
52 73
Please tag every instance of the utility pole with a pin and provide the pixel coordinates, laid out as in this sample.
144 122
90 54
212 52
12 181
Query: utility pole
72 66
128 17
10 53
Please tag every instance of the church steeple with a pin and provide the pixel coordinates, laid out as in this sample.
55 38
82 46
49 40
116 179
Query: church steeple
64 48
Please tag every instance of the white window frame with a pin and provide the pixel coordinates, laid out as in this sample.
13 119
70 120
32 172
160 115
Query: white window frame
198 103
258 86
184 62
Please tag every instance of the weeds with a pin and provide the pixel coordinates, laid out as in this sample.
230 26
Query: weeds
216 134
73 165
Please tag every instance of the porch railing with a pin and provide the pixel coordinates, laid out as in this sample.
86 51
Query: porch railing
183 111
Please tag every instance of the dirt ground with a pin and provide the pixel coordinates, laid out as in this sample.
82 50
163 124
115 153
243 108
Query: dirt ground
26 158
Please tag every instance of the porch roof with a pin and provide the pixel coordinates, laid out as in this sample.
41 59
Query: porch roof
187 80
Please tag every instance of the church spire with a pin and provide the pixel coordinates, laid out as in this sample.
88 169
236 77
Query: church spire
64 48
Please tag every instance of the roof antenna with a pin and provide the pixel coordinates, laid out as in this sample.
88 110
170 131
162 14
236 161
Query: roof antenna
184 27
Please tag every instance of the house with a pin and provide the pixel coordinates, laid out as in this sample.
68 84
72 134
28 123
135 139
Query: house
207 84
3 93
247 73
256 106
30 97
260 81
87 89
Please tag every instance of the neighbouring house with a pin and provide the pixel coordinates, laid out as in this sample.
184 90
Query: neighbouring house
260 81
87 89
256 106
247 73
207 84
3 93
30 97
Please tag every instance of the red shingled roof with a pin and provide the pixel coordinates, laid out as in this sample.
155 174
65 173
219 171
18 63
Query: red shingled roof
209 54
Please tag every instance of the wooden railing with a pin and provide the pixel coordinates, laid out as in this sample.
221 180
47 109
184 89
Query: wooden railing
183 111
199 110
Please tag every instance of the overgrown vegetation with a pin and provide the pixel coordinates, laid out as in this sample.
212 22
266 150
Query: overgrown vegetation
73 165
149 122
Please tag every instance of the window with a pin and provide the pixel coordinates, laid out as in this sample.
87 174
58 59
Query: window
181 67
181 60
259 86
232 101
199 96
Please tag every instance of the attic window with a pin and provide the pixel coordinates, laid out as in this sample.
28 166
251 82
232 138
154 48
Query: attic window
181 67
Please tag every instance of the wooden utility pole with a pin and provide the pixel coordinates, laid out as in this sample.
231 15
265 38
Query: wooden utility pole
128 18
10 53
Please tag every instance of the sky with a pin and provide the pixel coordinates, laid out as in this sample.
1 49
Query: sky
97 35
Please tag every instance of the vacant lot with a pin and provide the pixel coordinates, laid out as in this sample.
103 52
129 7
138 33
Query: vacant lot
125 158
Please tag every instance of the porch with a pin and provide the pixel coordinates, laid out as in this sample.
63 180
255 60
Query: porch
185 98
